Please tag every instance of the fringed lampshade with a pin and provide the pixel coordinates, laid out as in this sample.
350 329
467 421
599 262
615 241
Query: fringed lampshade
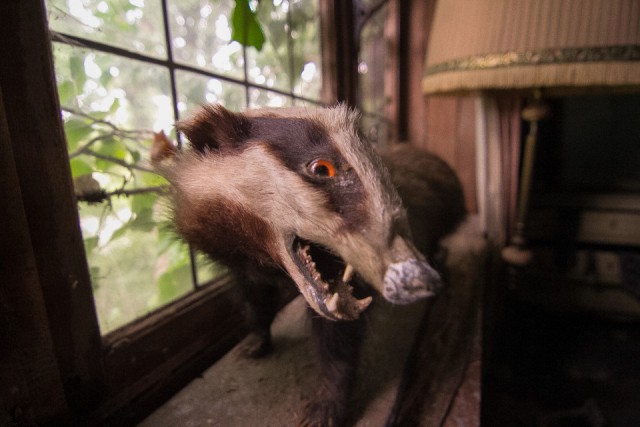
540 46
514 44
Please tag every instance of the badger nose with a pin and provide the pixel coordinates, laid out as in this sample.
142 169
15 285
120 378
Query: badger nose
409 277
410 280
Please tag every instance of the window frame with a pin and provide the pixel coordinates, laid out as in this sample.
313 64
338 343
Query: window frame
120 377
123 375
173 67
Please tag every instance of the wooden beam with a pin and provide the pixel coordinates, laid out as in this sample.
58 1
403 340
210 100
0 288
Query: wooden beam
31 390
339 52
42 169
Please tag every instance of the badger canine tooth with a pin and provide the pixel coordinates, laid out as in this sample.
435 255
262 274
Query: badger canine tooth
348 273
332 302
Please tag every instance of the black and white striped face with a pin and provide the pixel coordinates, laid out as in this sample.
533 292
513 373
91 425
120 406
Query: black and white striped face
297 189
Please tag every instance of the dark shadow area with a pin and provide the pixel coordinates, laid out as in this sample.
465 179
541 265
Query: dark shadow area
561 368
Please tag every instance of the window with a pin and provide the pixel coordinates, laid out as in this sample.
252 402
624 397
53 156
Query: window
127 68
375 70
105 53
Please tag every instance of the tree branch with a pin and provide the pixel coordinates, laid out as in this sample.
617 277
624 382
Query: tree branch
84 148
102 196
117 130
117 161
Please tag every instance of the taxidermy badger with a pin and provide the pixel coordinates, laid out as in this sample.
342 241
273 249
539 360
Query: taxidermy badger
296 196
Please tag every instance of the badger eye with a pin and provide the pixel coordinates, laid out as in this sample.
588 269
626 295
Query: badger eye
323 168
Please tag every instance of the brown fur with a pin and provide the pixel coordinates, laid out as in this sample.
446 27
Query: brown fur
431 192
252 242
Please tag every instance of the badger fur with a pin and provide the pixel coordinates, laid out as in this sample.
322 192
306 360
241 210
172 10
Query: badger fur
286 196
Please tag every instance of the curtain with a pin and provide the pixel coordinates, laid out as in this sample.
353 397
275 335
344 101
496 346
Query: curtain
498 130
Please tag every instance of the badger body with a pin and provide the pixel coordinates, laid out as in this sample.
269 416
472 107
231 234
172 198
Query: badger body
286 196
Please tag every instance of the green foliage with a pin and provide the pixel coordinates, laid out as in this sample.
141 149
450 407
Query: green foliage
112 104
245 27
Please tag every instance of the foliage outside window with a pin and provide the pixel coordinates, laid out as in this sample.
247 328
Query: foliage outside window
128 68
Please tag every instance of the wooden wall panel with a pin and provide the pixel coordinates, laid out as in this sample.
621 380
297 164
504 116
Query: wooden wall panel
450 132
418 16
444 125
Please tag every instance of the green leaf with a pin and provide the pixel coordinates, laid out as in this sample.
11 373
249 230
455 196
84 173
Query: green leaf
112 147
143 220
66 92
135 154
143 202
114 106
124 229
76 65
95 276
245 28
90 244
79 168
173 283
150 179
76 130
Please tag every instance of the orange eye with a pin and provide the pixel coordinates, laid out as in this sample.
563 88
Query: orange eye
323 168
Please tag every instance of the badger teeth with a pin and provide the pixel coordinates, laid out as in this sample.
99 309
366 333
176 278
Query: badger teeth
336 293
348 273
332 302
363 303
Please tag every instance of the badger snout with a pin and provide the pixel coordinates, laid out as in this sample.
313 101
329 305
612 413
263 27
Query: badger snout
409 277
410 280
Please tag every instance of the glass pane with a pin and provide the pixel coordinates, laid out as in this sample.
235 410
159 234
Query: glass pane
376 130
371 65
201 36
305 35
265 98
206 271
195 89
110 107
135 25
271 66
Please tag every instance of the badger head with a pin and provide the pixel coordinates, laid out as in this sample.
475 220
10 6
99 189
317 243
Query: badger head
296 189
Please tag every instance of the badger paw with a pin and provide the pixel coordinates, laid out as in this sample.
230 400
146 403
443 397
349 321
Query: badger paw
255 346
324 413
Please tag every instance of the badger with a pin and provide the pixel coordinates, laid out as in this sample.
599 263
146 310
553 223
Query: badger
296 196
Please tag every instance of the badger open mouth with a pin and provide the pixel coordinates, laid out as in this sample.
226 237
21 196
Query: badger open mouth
329 279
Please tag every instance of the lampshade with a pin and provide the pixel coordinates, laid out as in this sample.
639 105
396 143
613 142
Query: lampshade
499 44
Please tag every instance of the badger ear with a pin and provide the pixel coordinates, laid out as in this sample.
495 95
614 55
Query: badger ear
215 127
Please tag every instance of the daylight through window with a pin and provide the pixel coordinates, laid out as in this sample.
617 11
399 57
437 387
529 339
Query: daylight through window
128 68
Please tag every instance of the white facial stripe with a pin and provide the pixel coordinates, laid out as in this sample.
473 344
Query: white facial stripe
257 180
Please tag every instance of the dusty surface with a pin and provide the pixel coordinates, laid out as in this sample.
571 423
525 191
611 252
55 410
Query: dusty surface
272 391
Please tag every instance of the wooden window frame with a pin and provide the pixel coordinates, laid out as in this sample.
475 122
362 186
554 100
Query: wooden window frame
48 318
121 376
